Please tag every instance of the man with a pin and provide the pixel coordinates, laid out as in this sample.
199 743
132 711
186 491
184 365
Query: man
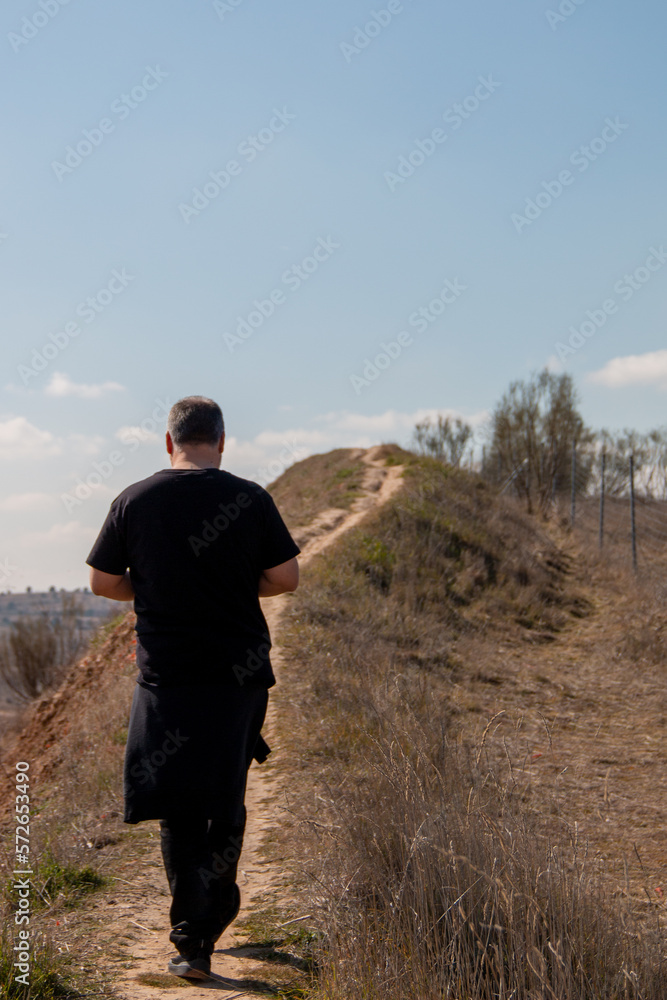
195 548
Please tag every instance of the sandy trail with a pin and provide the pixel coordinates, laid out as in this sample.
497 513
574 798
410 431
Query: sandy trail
140 909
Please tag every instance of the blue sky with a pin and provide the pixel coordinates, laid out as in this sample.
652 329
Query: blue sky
248 200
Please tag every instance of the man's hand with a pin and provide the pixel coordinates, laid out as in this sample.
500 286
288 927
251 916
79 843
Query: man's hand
279 579
118 588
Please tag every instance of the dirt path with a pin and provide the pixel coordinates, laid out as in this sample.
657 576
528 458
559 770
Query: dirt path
139 913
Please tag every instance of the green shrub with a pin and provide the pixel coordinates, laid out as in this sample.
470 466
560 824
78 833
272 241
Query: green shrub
47 976
54 880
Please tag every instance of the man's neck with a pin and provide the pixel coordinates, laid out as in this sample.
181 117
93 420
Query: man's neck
186 464
194 460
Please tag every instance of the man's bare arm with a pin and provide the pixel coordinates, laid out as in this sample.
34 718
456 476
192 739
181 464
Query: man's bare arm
118 588
279 579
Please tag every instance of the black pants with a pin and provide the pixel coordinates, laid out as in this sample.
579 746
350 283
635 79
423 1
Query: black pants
198 793
200 859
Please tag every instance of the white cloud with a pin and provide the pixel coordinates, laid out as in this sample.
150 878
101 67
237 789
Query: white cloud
60 534
21 439
86 444
392 423
97 490
28 501
132 434
633 369
62 385
336 429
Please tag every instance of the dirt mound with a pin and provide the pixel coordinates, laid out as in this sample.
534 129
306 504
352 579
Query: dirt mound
47 721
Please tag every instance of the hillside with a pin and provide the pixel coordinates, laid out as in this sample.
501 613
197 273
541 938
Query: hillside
504 614
479 697
437 625
92 613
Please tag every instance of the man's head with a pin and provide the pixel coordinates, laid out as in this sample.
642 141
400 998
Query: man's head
195 432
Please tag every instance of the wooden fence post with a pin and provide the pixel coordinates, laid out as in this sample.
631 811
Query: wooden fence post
574 482
600 535
632 513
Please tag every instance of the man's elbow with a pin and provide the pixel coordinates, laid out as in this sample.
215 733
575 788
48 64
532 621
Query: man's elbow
293 579
288 584
103 584
283 579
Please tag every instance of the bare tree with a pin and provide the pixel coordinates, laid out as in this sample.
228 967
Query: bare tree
533 430
649 453
445 439
37 649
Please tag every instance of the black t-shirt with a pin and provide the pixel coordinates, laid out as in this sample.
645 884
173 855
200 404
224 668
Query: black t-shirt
195 542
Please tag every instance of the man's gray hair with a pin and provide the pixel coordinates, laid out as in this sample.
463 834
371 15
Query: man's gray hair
195 420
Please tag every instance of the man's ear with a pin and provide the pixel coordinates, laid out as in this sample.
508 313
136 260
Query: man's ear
221 443
170 444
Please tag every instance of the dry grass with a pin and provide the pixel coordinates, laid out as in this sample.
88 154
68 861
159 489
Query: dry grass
472 720
322 482
440 852
73 739
434 883
651 532
602 687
